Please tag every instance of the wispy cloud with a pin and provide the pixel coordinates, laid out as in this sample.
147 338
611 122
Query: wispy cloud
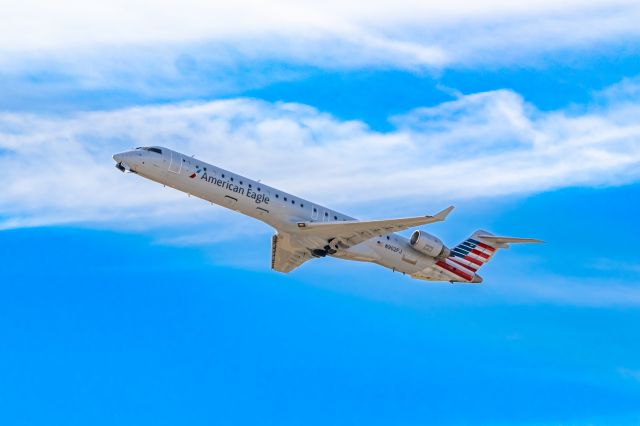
629 373
614 265
563 290
59 170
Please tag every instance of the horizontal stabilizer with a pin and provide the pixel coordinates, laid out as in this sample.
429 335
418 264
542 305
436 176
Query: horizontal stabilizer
507 240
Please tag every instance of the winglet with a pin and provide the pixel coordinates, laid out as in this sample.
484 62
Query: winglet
440 216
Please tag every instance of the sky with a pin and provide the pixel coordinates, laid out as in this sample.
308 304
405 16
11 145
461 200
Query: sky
123 302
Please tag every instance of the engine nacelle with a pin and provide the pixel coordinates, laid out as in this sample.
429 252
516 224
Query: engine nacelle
429 245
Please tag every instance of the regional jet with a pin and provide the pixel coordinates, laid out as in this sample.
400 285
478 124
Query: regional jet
305 230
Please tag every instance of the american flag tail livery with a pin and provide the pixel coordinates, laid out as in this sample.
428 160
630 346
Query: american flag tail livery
467 257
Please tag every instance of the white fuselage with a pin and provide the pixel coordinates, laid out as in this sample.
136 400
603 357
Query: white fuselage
272 206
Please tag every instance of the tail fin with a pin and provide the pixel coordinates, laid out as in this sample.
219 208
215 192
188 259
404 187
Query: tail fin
467 257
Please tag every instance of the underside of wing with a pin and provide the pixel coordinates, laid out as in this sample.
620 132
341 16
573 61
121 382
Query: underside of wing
350 233
285 257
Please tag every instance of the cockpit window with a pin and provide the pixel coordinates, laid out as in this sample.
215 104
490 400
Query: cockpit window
152 149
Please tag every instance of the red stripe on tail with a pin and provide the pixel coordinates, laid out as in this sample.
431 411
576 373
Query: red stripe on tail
469 267
480 253
472 260
487 247
454 270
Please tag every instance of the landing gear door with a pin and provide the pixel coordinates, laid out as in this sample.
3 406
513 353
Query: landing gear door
175 165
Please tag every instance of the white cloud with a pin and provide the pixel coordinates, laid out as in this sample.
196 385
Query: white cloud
52 54
333 34
59 170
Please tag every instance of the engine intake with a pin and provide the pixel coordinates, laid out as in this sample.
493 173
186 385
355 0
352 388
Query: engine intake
429 245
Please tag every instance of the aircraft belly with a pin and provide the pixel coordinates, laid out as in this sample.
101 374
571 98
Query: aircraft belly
396 255
431 273
361 252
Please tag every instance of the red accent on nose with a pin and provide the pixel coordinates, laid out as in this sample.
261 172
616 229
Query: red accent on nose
192 176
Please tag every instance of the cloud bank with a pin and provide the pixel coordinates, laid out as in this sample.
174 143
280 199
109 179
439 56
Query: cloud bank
59 170
141 47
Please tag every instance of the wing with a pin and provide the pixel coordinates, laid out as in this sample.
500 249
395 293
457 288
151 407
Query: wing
291 248
284 257
350 233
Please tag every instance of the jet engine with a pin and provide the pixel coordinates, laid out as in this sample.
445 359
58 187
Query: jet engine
429 245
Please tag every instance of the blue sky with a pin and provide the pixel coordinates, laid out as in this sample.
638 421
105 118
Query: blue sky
123 302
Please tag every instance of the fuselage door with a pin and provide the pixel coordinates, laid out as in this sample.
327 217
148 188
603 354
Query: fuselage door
315 214
175 166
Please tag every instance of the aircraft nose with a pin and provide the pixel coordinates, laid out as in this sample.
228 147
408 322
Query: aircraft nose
120 161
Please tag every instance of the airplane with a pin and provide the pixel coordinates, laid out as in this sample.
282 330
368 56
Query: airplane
305 230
